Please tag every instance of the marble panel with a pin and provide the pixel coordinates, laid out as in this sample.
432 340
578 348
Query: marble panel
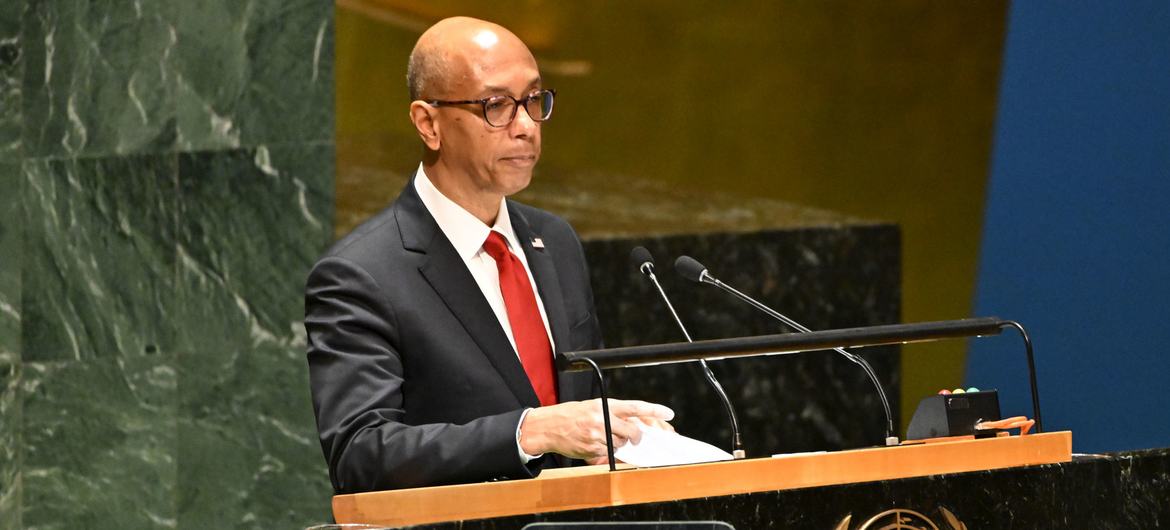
11 78
11 243
11 252
11 446
251 223
100 443
824 277
248 451
97 79
252 72
99 257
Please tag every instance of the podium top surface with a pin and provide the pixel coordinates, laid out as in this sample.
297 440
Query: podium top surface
595 487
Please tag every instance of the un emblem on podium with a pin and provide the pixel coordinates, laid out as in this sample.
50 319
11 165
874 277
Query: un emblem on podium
902 519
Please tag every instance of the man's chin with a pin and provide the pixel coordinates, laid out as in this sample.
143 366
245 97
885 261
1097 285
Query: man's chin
512 182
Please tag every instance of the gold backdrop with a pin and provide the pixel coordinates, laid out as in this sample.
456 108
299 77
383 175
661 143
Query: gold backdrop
882 110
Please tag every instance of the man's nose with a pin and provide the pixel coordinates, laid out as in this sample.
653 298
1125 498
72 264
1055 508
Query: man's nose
523 125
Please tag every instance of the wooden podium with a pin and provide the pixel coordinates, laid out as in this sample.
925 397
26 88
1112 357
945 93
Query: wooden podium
596 486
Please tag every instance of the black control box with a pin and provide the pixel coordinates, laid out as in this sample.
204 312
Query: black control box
954 415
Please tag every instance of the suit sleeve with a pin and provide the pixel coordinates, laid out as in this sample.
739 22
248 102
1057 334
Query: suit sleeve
356 375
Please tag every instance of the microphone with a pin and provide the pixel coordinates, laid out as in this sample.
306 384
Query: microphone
691 269
644 262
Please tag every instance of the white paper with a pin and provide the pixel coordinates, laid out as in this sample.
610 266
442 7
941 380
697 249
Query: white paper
790 455
664 448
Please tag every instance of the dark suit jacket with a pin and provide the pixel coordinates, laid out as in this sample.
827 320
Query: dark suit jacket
414 381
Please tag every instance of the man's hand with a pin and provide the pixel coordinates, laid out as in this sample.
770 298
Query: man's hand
655 423
576 428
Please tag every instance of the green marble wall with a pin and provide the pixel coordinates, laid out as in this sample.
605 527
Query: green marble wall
11 252
166 180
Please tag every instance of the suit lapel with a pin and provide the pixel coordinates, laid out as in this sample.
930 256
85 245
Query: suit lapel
544 271
548 283
446 273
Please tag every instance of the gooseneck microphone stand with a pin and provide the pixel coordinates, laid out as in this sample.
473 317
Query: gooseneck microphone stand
692 270
642 259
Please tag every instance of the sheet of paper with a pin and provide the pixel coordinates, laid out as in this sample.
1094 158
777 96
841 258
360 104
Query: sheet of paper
664 448
790 455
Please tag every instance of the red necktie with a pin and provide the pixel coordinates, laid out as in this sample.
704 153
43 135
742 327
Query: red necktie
524 316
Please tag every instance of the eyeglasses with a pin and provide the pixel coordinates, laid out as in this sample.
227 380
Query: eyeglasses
499 111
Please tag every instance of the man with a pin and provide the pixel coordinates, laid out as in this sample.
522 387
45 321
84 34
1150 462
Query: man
432 327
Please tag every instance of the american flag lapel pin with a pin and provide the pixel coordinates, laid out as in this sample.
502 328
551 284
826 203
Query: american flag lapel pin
537 243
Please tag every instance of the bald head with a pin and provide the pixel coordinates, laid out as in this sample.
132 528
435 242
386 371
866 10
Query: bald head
453 50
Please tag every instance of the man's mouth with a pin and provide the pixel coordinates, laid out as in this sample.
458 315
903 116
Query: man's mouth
520 159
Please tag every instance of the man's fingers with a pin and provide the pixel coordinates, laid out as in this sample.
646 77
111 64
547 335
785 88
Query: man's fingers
657 423
627 408
624 429
626 420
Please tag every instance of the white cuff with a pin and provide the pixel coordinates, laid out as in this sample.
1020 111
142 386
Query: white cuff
524 457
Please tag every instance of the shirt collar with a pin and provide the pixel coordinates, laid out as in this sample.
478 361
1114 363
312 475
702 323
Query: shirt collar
465 231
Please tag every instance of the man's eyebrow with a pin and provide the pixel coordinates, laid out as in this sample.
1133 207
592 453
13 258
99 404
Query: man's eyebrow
503 90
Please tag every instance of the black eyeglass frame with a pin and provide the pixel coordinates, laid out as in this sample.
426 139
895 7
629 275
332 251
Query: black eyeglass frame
516 104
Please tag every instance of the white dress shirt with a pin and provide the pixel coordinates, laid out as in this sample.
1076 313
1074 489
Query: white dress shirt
467 234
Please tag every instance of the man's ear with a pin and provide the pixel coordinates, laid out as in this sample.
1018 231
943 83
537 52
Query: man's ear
423 116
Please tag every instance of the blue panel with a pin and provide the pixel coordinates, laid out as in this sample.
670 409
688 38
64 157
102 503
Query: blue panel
1076 242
